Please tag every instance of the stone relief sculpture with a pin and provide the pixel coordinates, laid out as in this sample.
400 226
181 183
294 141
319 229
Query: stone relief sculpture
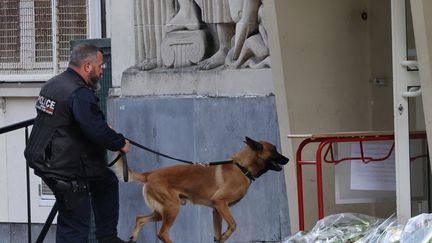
253 51
185 43
174 34
151 17
217 12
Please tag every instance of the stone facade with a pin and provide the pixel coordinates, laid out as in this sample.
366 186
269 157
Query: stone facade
166 32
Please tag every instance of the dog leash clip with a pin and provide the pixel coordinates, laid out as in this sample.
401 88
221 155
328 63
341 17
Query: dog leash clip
203 164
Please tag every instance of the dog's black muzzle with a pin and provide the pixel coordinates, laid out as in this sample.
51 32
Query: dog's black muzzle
276 162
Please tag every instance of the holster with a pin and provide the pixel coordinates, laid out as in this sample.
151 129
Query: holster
71 193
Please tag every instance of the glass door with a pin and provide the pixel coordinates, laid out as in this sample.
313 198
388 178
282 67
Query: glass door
419 159
422 27
418 147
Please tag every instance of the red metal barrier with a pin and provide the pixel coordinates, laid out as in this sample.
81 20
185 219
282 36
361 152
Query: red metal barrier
325 144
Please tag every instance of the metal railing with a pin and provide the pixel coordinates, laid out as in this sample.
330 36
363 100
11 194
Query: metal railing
25 125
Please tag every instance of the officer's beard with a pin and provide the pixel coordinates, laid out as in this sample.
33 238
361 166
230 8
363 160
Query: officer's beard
94 80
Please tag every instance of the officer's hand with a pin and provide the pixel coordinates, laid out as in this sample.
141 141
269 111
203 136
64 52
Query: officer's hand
126 147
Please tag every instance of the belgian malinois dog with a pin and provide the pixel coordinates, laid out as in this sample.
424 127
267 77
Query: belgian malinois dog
218 187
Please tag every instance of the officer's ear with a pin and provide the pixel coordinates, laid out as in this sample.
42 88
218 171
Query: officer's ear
87 67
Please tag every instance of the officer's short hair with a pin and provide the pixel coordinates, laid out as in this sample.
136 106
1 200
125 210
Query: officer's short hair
82 52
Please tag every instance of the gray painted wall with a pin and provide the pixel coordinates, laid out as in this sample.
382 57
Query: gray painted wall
201 129
18 233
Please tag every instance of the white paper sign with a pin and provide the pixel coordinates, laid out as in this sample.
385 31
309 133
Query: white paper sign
373 176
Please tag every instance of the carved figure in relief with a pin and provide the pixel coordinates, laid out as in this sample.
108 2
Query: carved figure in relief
212 12
239 35
151 17
254 52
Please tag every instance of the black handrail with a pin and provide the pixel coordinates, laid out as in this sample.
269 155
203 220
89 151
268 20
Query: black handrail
17 126
25 124
47 224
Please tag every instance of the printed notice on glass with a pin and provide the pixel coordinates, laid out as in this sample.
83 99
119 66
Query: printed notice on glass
376 175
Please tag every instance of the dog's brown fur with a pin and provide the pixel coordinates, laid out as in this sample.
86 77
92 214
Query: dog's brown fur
218 187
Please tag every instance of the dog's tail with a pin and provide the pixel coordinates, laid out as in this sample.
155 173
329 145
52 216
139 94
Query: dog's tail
133 176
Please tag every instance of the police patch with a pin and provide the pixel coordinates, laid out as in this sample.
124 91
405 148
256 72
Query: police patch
45 105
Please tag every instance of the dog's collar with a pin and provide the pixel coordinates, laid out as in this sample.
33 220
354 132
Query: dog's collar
245 171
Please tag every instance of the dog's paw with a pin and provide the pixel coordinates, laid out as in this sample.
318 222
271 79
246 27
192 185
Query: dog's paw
217 240
131 240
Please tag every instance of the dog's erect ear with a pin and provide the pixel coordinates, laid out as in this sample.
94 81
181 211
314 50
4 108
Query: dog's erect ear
254 145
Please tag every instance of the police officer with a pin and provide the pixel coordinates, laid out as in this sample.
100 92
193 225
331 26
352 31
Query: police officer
67 149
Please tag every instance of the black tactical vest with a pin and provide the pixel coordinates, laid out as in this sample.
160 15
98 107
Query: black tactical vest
57 148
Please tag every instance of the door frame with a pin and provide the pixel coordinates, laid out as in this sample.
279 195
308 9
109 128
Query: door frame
402 81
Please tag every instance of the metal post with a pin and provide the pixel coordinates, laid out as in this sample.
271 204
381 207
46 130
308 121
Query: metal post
28 192
300 184
47 224
319 177
54 36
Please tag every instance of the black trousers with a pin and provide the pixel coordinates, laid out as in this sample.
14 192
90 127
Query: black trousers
73 225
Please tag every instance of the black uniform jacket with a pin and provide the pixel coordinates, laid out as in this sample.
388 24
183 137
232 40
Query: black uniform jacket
70 135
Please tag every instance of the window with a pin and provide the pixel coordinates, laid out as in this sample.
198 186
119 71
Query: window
72 24
34 42
9 32
46 196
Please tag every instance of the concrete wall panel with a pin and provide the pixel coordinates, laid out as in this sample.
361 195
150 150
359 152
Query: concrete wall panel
201 129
